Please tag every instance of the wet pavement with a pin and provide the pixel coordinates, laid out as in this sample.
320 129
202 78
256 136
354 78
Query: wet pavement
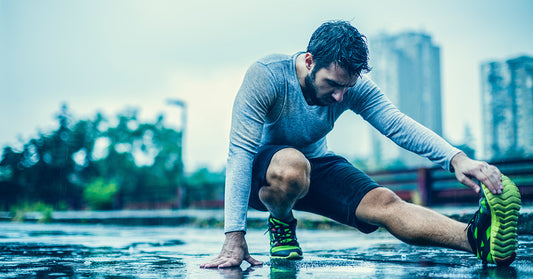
108 251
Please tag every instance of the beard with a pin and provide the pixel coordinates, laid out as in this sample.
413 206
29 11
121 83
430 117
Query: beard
310 91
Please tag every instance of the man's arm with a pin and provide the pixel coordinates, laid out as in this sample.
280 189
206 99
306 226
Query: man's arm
378 110
407 133
253 101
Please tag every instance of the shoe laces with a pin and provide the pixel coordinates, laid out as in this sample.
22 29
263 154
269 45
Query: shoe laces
483 208
281 234
472 220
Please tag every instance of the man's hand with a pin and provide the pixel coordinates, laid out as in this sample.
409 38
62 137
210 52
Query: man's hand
234 251
465 168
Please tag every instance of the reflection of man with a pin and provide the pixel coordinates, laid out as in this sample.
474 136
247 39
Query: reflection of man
278 158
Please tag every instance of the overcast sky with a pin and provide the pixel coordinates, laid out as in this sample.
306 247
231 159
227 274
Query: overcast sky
108 55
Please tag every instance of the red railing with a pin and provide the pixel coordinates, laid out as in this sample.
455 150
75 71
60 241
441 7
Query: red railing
435 186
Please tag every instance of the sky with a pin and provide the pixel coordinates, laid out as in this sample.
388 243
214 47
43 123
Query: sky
110 55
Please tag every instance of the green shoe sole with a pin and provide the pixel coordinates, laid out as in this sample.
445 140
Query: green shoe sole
504 210
291 256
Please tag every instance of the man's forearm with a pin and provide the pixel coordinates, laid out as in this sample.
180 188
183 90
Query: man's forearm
238 180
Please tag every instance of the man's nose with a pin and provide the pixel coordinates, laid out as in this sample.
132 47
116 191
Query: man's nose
338 94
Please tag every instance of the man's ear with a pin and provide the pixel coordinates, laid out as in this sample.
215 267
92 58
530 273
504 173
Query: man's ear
309 61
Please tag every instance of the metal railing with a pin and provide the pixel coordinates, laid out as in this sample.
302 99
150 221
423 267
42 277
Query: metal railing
435 186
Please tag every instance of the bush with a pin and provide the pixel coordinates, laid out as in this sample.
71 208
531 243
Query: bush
100 194
19 211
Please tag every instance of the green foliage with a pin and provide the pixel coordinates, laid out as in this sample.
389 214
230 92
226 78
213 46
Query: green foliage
143 159
391 164
395 164
205 185
19 211
100 194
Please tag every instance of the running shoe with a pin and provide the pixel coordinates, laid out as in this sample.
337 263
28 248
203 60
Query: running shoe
283 243
492 230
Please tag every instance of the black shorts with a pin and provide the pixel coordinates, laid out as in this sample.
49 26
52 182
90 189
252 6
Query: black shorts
336 188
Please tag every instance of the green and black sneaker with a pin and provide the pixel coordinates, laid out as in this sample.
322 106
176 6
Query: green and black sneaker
492 231
283 243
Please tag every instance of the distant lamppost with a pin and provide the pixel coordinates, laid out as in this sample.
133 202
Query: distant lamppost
183 124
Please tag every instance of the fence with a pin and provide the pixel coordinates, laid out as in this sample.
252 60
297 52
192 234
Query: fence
435 186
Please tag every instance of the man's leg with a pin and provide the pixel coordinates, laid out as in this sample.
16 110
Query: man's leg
288 180
411 223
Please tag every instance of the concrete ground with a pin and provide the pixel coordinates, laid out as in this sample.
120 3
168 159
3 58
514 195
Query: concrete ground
29 250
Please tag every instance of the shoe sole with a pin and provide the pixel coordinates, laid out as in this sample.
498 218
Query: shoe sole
291 256
504 210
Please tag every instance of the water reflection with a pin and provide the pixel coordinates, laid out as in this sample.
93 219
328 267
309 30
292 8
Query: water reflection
283 269
279 269
55 270
498 272
236 272
54 261
64 251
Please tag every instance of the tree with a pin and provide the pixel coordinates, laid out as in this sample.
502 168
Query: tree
205 185
144 160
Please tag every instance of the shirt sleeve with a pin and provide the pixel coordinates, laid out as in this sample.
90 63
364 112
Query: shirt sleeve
252 103
379 111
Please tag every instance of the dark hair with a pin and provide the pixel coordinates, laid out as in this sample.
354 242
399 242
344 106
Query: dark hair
338 41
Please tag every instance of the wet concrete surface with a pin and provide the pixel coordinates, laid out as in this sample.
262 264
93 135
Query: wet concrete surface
109 251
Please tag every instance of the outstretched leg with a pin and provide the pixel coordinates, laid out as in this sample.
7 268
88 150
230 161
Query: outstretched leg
411 223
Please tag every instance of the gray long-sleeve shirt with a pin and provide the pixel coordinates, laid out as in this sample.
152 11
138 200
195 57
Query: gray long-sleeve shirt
270 108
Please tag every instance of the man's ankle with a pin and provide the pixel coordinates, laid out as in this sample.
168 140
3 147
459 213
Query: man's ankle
285 219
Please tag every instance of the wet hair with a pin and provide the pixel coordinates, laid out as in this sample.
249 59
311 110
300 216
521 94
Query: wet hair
338 41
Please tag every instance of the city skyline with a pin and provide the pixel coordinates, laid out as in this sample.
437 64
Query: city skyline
407 67
507 99
108 56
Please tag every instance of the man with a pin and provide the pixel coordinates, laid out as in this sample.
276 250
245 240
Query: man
278 158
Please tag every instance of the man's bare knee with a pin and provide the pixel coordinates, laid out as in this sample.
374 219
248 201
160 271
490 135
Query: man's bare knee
377 205
289 170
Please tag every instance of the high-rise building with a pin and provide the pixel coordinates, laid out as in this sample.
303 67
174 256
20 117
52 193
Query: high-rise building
507 107
406 67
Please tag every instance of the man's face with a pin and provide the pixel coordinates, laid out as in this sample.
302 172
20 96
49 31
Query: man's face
328 85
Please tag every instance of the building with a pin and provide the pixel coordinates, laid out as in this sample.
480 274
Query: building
406 67
507 108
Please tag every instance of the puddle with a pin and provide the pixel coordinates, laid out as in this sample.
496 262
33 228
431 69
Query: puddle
106 251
